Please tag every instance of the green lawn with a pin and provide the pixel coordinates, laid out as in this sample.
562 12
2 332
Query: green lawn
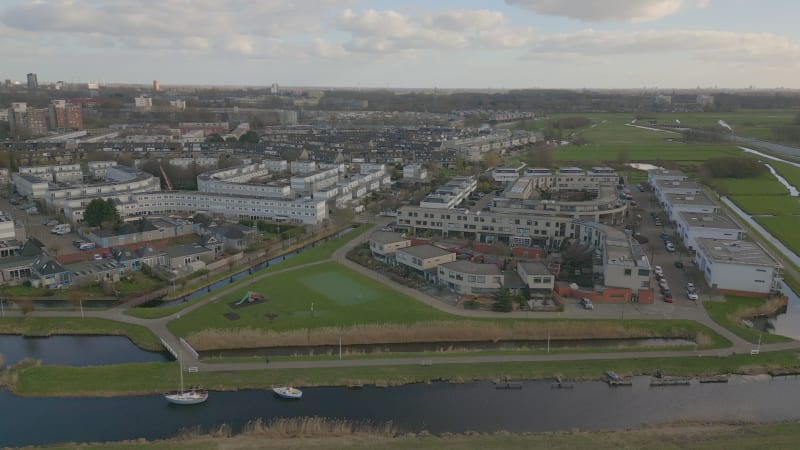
340 297
725 314
788 171
140 335
768 204
784 228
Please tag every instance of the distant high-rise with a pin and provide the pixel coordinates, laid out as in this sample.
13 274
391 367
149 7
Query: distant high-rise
27 122
156 87
65 116
33 81
274 89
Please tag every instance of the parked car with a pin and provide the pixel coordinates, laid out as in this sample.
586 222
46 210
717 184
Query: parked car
667 297
664 236
690 287
692 295
665 291
679 264
670 246
663 283
586 303
658 271
97 256
50 222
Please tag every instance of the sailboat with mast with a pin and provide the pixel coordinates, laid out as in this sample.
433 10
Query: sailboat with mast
184 397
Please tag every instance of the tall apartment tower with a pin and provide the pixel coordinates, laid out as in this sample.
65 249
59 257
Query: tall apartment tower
65 116
156 87
33 81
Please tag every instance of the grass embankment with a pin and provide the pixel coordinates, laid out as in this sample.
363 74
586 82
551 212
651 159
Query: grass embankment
143 378
734 309
784 228
319 253
47 326
319 433
459 331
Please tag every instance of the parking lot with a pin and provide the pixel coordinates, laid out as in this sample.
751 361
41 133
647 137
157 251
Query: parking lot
652 224
34 227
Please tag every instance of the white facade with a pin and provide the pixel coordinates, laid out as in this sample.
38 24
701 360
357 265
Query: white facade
663 174
469 278
143 102
623 263
30 186
309 182
675 204
98 169
200 161
415 172
504 175
450 194
7 232
663 187
740 266
691 226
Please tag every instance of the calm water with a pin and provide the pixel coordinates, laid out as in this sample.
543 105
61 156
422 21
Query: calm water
438 407
76 350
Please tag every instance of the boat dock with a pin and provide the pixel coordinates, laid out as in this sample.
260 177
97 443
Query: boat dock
670 381
715 379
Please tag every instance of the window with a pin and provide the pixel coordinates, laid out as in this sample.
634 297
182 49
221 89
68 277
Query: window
627 272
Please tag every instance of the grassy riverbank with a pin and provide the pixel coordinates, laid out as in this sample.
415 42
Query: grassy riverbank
455 331
317 433
52 326
735 309
143 378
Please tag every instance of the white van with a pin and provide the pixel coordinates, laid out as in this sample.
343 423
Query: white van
62 228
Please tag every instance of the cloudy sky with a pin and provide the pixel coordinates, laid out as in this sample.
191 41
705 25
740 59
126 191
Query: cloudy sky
406 43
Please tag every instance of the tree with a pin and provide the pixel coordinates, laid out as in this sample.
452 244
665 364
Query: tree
502 301
491 159
623 157
215 137
102 212
251 137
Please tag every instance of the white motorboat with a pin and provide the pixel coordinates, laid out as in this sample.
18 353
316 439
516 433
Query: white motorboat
288 392
183 397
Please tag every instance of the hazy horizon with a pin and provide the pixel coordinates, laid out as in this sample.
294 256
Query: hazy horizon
452 45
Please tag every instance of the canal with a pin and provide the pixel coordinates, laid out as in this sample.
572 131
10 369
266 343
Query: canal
76 350
437 407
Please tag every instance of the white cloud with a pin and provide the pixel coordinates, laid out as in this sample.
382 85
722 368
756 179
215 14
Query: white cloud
241 26
608 10
705 44
386 32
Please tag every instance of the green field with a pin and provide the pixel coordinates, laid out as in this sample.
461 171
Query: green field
784 228
727 314
768 204
765 184
788 171
607 139
340 297
45 326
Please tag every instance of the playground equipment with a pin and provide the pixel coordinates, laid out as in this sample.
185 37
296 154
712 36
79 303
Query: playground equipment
250 297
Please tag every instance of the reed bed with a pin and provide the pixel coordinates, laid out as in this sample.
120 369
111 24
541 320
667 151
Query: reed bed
428 332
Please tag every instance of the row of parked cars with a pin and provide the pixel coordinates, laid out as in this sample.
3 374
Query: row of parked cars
691 291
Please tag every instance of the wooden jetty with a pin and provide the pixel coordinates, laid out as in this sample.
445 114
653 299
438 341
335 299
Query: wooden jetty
670 381
715 379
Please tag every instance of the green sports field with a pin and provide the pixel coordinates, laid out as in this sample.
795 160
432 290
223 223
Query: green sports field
339 296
